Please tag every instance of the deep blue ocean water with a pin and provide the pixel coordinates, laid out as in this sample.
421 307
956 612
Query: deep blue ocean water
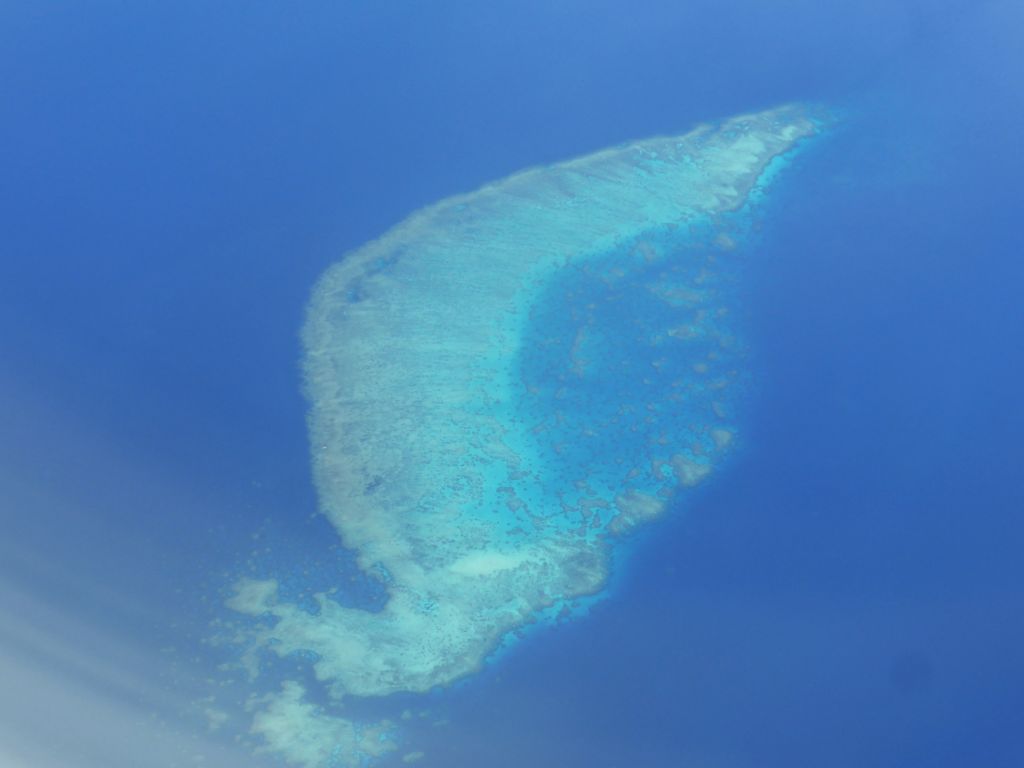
176 176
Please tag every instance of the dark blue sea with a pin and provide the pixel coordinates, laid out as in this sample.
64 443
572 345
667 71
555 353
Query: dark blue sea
174 178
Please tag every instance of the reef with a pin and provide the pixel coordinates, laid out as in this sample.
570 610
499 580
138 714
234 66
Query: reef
506 382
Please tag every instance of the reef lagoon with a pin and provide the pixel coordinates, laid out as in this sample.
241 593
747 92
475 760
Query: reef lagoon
494 400
535 385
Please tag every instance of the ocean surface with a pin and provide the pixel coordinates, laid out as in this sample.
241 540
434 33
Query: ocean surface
843 590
